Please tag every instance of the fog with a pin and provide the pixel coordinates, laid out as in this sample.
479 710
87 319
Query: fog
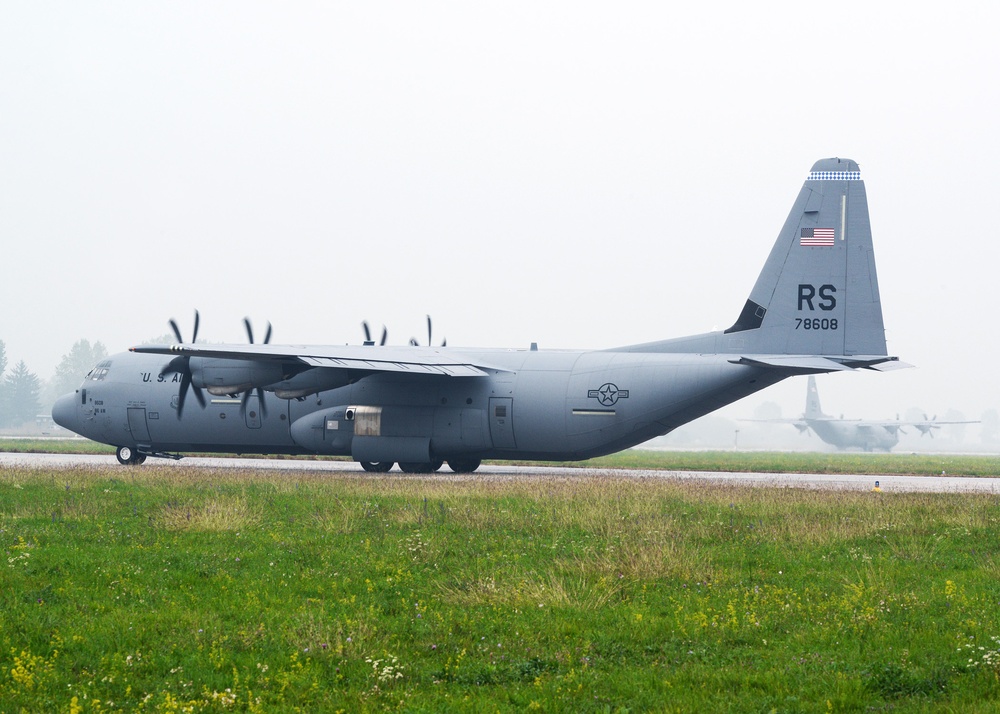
571 174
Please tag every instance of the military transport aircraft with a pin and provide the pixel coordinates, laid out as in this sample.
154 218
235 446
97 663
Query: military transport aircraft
855 433
814 308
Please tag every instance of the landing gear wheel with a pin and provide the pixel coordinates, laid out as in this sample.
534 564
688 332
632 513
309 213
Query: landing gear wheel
378 467
124 455
127 456
412 467
463 466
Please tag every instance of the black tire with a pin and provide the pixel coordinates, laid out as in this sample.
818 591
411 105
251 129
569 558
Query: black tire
125 455
377 467
464 466
412 467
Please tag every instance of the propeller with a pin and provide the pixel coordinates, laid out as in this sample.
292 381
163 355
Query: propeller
267 335
368 334
259 390
928 427
182 365
415 343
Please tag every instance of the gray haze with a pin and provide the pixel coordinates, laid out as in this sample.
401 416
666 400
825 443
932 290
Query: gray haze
575 174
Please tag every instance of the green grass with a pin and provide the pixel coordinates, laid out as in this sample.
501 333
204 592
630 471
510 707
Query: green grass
760 462
54 446
804 462
162 589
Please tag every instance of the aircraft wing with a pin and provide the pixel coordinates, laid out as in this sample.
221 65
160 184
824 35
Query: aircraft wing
361 358
896 426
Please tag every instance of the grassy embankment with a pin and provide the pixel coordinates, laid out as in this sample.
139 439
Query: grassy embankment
760 462
163 589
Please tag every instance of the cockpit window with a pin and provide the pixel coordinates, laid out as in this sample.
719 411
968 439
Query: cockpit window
99 372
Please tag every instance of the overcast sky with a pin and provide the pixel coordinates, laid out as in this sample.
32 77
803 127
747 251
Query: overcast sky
574 174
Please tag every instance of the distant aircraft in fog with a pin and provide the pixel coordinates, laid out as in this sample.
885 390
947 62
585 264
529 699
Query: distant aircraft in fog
855 433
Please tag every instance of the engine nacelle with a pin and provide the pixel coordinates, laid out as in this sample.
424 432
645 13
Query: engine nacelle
312 381
232 376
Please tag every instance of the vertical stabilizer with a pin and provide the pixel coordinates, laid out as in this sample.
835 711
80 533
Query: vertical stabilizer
818 291
813 409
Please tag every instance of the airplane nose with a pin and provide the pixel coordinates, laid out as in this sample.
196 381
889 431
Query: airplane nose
64 411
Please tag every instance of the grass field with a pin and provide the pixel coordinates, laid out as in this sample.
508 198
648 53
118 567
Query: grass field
168 590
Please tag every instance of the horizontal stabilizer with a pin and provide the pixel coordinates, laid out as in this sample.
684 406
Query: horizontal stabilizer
816 364
889 366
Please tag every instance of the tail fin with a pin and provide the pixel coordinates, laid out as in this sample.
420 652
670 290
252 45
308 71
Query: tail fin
813 409
818 292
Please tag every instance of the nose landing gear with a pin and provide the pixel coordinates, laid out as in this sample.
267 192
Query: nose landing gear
127 456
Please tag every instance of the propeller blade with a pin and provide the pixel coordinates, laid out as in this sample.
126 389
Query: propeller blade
249 329
413 341
177 330
385 335
174 366
182 394
182 365
260 402
368 332
429 331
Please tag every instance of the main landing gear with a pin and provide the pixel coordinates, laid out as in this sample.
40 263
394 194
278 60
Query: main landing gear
459 466
377 467
127 456
463 466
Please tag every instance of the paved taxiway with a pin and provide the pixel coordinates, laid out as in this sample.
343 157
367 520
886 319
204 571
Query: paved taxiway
849 482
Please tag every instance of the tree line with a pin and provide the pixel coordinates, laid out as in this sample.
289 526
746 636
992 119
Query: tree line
24 396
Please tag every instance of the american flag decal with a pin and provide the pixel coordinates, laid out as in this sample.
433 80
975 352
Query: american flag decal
816 237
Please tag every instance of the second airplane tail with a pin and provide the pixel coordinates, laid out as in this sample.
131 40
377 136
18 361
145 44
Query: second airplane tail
813 409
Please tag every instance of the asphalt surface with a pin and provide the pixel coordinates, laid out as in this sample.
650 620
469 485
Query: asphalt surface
844 482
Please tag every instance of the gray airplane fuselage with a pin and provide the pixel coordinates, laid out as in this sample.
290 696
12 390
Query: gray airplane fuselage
845 434
814 308
551 405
